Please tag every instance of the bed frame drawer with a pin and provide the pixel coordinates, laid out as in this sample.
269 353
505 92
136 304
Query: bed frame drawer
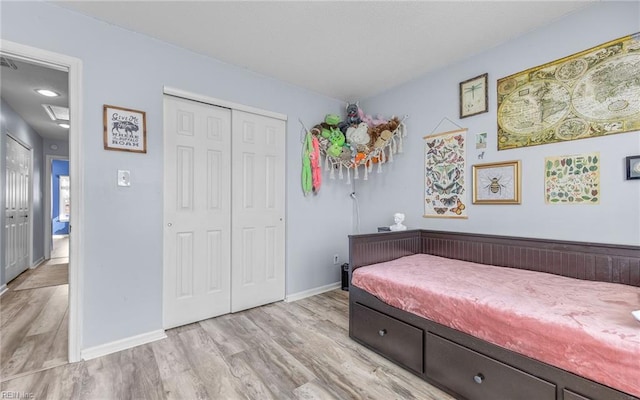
569 395
390 337
475 376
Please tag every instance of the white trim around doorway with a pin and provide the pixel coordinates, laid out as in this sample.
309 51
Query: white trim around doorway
76 174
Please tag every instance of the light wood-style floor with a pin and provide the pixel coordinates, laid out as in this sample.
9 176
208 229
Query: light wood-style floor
297 350
34 322
60 246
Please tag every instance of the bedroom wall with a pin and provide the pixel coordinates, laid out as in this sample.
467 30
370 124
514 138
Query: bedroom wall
435 96
123 270
13 124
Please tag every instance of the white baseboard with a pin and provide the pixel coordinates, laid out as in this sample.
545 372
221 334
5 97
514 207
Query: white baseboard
3 289
37 263
122 344
312 292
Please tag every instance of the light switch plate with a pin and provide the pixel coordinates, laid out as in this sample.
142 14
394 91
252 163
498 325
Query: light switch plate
124 177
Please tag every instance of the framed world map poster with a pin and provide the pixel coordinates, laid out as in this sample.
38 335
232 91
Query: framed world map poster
589 94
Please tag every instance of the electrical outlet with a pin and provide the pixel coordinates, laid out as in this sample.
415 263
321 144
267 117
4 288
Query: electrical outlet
336 259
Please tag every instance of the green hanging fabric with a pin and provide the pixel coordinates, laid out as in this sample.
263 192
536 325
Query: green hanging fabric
307 178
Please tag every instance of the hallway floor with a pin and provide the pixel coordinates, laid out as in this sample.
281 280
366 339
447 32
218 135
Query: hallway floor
34 321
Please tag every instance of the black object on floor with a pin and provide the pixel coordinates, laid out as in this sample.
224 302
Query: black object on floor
345 276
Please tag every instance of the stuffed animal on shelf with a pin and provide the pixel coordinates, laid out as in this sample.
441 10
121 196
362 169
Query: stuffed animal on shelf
358 147
336 137
352 114
352 117
337 141
371 121
359 134
332 119
334 150
381 141
376 131
346 155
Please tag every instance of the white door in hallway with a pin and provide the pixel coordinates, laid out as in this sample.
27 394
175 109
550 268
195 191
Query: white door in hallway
258 233
17 209
197 211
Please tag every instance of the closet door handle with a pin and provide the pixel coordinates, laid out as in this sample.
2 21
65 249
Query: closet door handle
479 378
11 216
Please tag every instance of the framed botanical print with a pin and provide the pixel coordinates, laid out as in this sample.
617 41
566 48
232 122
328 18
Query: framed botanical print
474 96
572 179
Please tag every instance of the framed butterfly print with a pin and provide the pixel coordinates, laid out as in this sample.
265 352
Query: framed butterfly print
445 194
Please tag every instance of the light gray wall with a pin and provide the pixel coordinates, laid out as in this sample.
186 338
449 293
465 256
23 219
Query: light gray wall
435 96
62 150
123 270
15 126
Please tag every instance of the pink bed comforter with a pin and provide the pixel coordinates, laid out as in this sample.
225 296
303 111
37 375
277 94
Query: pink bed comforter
580 326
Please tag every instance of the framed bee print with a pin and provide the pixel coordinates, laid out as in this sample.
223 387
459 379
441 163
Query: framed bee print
496 183
633 167
474 96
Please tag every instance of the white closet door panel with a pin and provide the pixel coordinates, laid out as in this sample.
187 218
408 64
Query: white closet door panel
258 234
197 211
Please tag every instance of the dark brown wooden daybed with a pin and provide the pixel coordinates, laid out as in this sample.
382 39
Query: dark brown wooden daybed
460 363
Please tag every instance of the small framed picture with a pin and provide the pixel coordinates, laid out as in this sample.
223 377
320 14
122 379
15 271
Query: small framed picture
496 183
481 140
474 96
633 167
124 129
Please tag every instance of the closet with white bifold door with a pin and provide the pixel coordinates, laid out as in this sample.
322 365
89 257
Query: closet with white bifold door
224 229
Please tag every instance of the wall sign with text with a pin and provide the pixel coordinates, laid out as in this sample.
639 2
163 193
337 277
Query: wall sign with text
125 129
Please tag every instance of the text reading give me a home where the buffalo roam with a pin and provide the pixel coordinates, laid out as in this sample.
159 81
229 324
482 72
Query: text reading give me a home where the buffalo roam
124 129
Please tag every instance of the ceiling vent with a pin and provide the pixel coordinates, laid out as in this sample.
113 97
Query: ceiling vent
6 62
56 112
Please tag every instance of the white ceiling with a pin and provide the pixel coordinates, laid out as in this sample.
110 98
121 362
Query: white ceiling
346 50
17 88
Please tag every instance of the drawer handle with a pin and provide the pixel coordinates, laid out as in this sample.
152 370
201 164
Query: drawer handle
382 332
479 378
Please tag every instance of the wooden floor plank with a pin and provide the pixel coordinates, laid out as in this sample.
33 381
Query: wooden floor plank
48 320
147 383
221 330
314 390
11 303
33 326
248 380
170 357
184 385
58 353
207 362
